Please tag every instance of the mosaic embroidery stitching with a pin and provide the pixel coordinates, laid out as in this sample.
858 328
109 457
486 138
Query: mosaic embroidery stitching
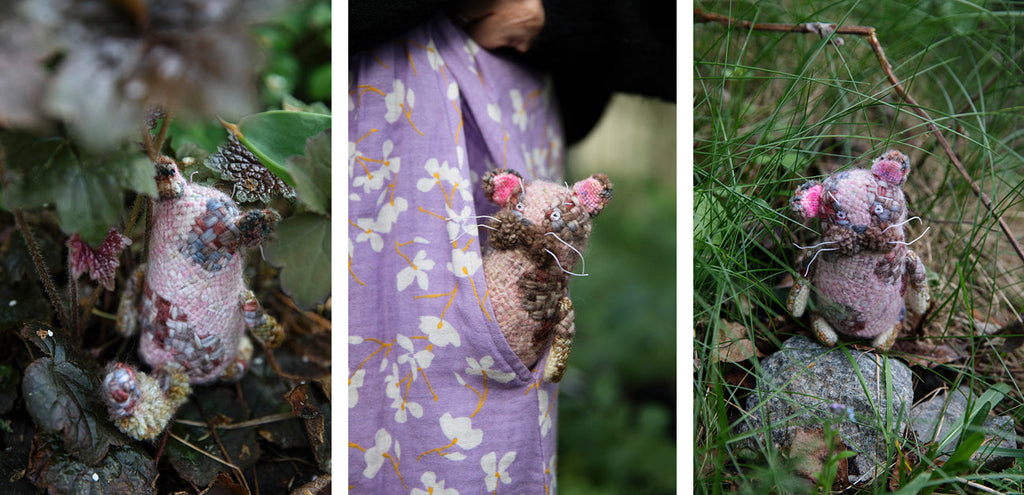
190 301
536 239
863 275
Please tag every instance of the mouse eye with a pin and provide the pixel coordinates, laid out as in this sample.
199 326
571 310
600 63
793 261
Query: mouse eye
520 206
841 215
555 215
879 209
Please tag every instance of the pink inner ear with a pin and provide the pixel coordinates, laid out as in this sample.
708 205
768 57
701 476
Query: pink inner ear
589 191
890 171
811 200
504 187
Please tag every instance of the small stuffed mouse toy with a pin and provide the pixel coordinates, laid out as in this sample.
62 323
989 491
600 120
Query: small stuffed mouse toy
536 239
863 275
190 301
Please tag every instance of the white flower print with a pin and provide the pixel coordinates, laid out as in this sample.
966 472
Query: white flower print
387 166
437 172
464 263
495 470
393 389
418 360
367 233
519 118
439 332
354 383
555 143
433 486
374 456
434 56
545 412
388 214
462 222
552 473
494 112
416 271
394 101
453 91
460 431
484 366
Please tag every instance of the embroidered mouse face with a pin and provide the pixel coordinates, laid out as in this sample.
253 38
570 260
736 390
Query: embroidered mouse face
553 214
859 209
536 239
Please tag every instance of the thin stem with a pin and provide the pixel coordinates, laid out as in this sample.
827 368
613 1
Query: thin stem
73 329
44 274
872 39
162 134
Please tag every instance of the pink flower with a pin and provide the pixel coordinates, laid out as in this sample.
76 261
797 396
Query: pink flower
100 262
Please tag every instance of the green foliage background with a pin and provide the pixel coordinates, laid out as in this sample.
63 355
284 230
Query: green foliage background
617 401
773 110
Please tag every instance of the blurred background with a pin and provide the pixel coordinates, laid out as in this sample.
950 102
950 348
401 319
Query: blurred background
617 402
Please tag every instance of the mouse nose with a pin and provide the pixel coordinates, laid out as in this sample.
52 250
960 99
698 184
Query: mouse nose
860 229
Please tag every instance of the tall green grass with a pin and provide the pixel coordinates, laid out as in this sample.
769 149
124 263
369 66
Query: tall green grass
773 110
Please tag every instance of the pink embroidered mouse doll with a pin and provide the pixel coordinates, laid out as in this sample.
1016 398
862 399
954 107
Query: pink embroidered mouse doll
863 275
536 239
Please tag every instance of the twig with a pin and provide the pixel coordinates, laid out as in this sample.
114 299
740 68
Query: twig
872 39
223 450
273 418
204 452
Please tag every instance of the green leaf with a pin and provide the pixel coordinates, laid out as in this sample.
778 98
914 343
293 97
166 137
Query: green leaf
276 135
312 173
302 250
87 189
62 394
125 469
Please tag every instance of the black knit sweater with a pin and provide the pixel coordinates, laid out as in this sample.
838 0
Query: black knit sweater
592 48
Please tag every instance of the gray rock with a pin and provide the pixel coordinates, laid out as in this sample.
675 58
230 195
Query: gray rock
797 384
944 412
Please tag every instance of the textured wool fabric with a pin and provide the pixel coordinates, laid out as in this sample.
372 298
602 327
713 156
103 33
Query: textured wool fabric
863 273
537 238
438 401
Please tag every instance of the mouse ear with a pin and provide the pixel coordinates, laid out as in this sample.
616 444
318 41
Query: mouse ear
502 186
807 199
594 193
892 167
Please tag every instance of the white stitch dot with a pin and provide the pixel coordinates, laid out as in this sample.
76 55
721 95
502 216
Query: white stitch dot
95 477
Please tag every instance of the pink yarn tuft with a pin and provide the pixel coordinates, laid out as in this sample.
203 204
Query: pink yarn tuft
811 201
889 171
504 186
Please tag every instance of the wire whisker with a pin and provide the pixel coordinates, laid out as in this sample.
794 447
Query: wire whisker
583 262
913 241
903 222
808 270
816 245
563 269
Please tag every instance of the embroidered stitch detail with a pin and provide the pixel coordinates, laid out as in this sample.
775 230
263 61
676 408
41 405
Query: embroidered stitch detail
213 239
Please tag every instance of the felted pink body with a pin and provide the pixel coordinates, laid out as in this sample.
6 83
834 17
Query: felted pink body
876 304
862 267
503 270
191 313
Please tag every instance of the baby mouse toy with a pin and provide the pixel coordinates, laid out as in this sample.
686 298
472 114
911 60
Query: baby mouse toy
189 301
863 276
536 239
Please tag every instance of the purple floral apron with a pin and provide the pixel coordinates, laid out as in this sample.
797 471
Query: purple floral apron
438 402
